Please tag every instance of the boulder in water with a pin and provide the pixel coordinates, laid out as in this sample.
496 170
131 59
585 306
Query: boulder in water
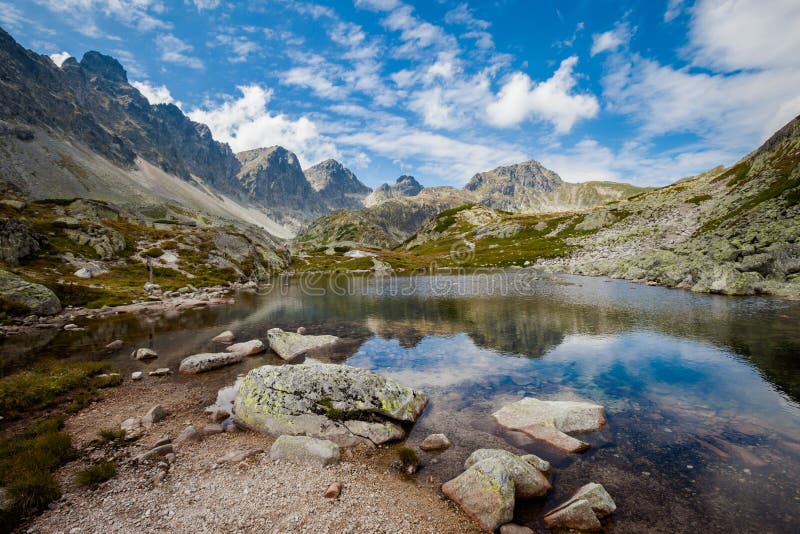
529 482
583 510
248 348
485 492
290 345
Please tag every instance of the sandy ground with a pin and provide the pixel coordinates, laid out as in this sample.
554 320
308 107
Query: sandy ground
200 494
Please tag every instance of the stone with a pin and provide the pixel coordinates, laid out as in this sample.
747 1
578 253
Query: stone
218 416
67 222
155 452
583 510
211 429
290 345
225 337
200 363
549 421
115 345
305 449
163 440
485 492
137 375
161 371
234 457
83 272
155 415
333 491
21 297
511 528
132 427
435 442
529 482
144 354
248 348
538 463
71 327
301 330
16 204
18 240
188 435
345 404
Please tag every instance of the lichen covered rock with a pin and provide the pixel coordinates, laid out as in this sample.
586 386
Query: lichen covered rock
200 363
18 296
485 492
289 345
529 482
345 404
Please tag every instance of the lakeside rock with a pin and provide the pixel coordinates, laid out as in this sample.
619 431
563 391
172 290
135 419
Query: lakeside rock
583 510
248 348
485 492
225 337
200 363
289 345
345 404
549 421
26 298
115 345
305 449
144 354
435 442
529 482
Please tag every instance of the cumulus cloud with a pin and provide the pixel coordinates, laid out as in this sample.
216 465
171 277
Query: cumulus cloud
156 94
610 40
174 50
246 123
553 100
60 57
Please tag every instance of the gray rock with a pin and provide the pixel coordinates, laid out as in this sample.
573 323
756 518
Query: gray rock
188 435
155 452
83 272
529 482
132 427
305 449
485 492
18 240
538 463
25 297
155 415
234 457
583 510
435 442
136 375
16 204
225 337
211 429
67 222
144 354
115 345
344 404
161 371
511 528
200 363
550 420
248 348
289 345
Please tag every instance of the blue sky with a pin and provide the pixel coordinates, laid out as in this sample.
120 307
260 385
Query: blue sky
641 91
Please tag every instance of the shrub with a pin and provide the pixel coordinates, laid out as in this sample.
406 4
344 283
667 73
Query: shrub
154 252
408 457
111 435
96 474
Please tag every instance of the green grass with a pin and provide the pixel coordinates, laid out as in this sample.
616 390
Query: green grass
96 474
27 462
111 435
447 218
52 382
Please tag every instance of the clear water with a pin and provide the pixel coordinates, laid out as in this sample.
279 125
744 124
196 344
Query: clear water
701 392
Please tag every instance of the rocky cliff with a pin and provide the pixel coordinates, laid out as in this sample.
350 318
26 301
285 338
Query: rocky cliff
337 186
404 186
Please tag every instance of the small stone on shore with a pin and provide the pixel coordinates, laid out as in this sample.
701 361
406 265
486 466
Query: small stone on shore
225 337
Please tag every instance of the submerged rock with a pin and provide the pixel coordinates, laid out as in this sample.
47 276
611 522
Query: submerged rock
248 348
583 510
529 482
485 492
435 442
550 420
289 345
20 297
200 363
225 337
304 449
345 404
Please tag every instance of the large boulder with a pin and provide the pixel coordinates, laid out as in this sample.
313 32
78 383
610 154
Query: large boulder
583 510
549 421
289 345
304 449
529 482
485 492
200 363
17 240
20 297
345 404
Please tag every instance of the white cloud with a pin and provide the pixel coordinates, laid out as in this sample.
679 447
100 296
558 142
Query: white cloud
246 123
313 79
552 100
415 33
240 46
378 5
674 9
746 34
156 94
58 58
205 4
610 40
462 14
140 14
173 50
10 16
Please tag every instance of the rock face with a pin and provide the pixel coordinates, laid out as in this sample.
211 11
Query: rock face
550 420
304 449
17 240
290 345
200 363
485 492
20 297
583 510
336 185
344 404
247 348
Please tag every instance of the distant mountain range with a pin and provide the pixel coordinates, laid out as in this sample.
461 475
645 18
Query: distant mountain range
83 131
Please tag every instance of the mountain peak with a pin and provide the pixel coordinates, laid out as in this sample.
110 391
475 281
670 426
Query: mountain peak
103 66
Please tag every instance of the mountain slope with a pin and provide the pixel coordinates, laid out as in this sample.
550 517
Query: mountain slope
337 186
404 186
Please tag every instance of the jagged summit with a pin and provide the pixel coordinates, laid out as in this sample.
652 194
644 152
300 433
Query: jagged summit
337 186
104 66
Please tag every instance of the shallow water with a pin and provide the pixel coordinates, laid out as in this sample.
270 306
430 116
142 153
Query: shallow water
701 392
